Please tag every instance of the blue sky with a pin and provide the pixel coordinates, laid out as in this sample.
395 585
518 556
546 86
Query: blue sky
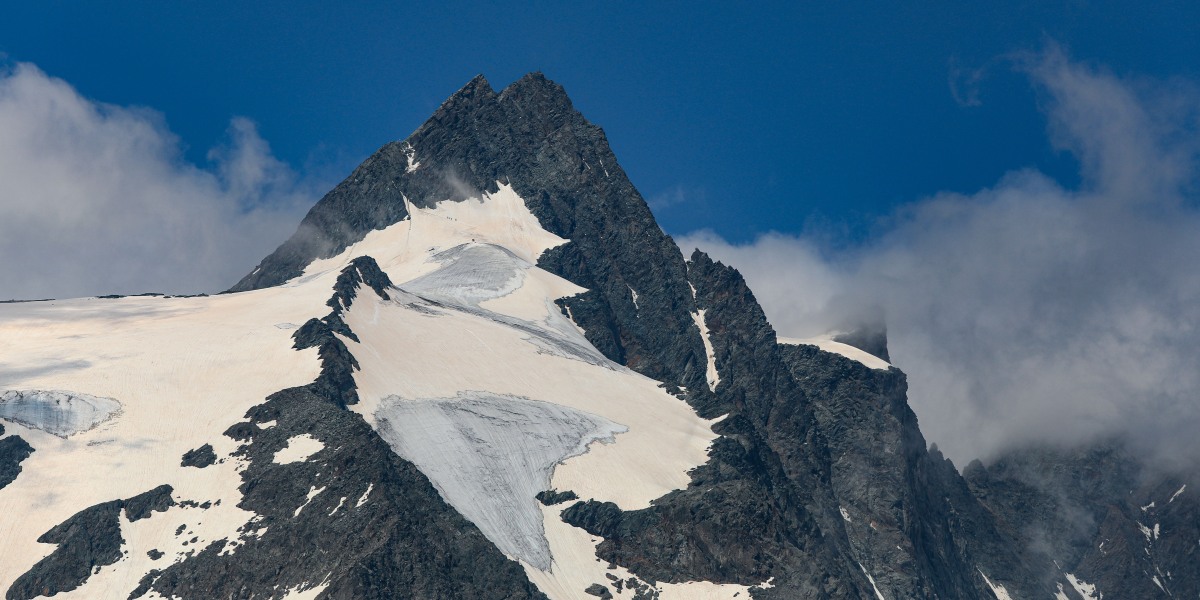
739 120
1014 186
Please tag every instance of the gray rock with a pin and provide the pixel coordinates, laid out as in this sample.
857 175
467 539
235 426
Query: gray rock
88 540
552 497
13 450
199 457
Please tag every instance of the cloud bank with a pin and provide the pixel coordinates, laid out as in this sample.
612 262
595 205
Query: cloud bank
97 199
1029 312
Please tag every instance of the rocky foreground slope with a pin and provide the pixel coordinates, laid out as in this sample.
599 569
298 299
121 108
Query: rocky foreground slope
479 369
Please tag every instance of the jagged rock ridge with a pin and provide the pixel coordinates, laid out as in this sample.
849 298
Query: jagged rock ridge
819 485
773 464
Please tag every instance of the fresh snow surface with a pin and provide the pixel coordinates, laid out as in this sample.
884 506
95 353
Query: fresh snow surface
878 594
488 455
57 412
298 449
184 371
997 589
711 373
1085 589
827 344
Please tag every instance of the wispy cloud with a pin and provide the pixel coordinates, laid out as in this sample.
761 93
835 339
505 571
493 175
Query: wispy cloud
97 198
1029 312
674 196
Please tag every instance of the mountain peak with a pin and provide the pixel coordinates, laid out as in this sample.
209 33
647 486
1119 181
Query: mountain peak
468 98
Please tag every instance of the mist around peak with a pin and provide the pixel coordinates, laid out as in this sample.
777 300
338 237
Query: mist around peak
1031 312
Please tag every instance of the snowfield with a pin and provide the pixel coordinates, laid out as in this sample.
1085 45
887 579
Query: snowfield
827 344
183 370
470 371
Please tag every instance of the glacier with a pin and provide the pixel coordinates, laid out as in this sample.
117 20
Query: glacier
490 454
57 412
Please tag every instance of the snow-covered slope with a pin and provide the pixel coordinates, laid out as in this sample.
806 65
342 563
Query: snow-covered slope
468 369
182 370
828 344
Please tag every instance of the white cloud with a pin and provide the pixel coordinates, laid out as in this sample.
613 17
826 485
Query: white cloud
1029 312
96 198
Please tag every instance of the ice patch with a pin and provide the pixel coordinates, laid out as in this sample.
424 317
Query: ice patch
1157 582
997 590
411 154
1177 493
634 293
298 449
471 273
1146 531
366 496
845 515
474 273
878 594
1085 589
57 412
339 506
313 491
713 377
490 454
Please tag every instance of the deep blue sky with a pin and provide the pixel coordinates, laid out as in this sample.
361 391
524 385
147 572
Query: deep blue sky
728 118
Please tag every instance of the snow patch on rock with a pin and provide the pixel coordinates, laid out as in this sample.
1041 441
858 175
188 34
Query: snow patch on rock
878 594
1085 589
997 590
828 345
298 449
711 374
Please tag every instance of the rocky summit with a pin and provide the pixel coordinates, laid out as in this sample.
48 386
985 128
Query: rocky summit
479 369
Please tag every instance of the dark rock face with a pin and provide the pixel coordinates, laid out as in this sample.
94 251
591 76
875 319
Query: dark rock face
354 515
13 450
552 497
337 364
89 539
199 457
820 480
156 500
1099 514
599 590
